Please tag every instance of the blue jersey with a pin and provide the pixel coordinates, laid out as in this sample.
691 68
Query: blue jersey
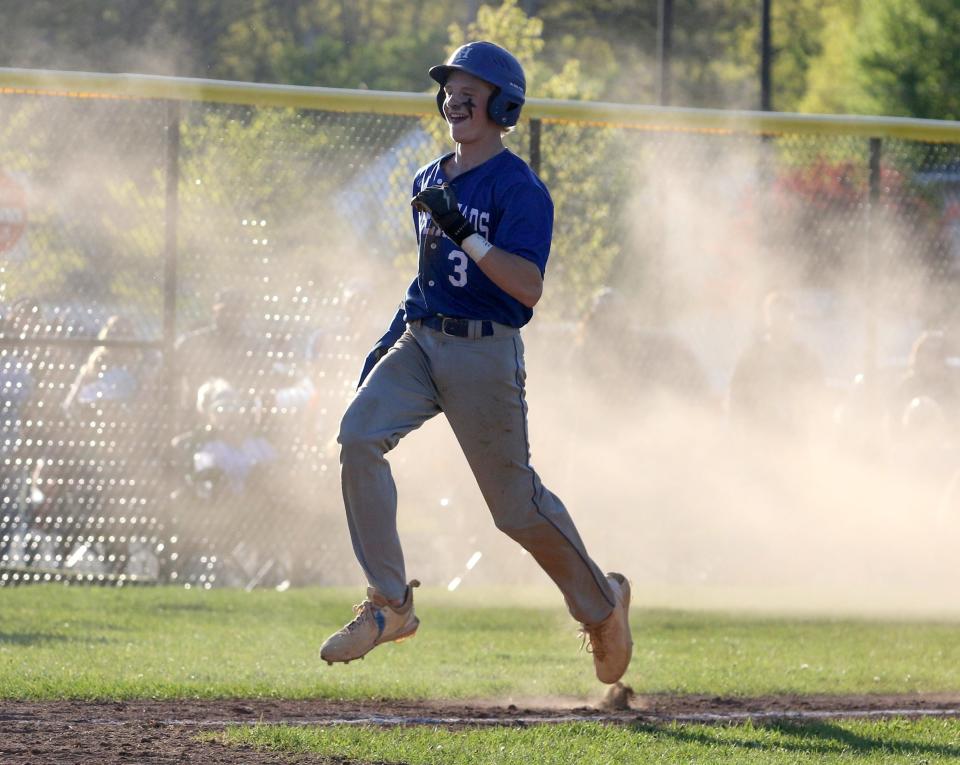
508 206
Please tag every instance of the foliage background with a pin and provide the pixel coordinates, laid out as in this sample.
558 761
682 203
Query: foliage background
883 56
889 56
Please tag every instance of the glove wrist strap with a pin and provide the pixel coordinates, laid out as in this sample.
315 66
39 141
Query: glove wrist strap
456 227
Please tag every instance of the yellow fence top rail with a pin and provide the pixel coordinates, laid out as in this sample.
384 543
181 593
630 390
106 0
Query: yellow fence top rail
140 86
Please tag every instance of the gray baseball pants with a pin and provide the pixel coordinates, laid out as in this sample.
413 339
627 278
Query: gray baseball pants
478 383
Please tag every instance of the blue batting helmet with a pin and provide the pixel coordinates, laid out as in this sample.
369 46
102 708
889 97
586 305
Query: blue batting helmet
492 64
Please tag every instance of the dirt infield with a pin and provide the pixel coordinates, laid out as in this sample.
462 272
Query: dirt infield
161 732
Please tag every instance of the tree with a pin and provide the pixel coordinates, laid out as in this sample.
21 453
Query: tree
895 57
613 40
388 46
715 59
162 36
360 44
907 57
800 28
831 85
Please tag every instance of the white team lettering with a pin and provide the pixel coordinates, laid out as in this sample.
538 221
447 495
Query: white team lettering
479 219
483 227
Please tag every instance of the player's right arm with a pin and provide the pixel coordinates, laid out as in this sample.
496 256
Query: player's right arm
519 275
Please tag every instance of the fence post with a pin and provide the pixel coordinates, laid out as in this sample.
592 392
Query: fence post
535 130
664 51
171 226
870 266
766 57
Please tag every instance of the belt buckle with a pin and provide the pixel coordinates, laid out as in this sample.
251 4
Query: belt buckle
457 327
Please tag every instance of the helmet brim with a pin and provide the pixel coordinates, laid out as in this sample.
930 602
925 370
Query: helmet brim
441 72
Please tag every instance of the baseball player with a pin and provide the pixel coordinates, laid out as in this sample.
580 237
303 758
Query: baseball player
484 223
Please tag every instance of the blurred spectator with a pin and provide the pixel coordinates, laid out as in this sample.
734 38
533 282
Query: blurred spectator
614 352
63 360
926 432
226 493
284 387
23 319
222 349
923 410
226 453
925 451
17 374
111 378
859 415
929 378
778 378
18 386
111 394
11 486
310 393
44 543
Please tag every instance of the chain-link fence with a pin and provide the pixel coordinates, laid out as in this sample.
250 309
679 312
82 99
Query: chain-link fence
189 288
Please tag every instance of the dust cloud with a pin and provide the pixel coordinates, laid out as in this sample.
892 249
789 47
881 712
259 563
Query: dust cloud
821 477
823 485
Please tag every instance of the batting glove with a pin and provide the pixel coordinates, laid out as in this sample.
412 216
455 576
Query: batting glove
441 204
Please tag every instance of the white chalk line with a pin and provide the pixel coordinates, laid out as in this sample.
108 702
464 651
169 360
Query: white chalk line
622 718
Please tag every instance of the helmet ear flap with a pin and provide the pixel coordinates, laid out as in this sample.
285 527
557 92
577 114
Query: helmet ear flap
440 99
502 109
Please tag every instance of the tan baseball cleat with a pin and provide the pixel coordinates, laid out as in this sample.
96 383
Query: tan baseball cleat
376 622
610 641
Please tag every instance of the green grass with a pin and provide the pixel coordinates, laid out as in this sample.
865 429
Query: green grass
861 742
58 642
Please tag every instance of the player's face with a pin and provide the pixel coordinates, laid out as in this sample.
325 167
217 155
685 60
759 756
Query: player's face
465 108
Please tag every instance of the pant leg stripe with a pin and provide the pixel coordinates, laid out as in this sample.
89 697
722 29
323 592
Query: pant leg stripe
533 473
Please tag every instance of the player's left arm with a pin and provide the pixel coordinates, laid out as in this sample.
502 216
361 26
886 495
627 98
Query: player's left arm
519 277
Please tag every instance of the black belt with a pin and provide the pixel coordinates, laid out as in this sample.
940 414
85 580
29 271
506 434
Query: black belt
457 327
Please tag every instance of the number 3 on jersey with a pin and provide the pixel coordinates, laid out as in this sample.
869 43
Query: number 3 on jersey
459 277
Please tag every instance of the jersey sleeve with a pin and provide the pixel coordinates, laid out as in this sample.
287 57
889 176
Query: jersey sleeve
526 225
